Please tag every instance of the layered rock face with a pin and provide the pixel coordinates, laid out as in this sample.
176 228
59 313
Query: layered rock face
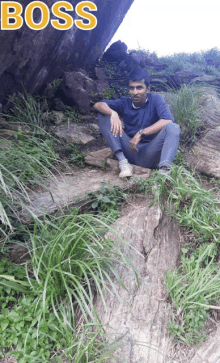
34 57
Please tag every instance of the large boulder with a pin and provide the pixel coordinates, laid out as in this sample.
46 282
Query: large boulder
36 57
205 154
74 133
117 52
141 315
78 88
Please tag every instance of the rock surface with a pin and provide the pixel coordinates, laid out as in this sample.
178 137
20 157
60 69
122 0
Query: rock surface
117 52
78 88
71 189
210 350
142 313
102 82
205 155
97 158
37 57
102 158
74 133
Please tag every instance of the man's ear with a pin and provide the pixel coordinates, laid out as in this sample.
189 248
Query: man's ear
148 89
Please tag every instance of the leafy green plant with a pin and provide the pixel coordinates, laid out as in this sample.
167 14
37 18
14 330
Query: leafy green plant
119 90
107 199
54 85
77 157
72 114
109 94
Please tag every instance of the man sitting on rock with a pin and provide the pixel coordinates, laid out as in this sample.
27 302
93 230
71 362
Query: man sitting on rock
150 137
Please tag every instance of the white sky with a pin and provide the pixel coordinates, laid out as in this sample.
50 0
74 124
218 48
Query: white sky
171 26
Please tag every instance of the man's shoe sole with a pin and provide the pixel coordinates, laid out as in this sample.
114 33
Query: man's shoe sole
125 174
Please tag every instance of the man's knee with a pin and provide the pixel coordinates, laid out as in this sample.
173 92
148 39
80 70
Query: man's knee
173 128
103 121
103 118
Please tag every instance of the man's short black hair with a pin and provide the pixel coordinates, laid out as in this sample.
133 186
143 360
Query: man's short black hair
139 74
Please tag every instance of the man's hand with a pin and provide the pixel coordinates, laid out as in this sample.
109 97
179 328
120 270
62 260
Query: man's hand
134 141
116 124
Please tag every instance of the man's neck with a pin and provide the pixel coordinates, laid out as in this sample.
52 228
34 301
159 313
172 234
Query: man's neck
139 106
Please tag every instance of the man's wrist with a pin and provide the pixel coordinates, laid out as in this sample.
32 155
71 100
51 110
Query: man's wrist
142 132
114 113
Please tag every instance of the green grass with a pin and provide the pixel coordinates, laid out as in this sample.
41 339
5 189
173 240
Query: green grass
25 162
193 289
186 105
27 110
49 307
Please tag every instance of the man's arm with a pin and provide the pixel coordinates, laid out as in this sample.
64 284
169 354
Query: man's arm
116 124
153 129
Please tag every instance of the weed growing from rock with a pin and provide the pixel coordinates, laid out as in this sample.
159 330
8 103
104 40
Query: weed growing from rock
107 200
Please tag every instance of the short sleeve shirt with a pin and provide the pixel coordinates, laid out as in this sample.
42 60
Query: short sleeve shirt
139 118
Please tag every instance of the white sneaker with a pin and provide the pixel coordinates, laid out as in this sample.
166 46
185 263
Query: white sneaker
126 169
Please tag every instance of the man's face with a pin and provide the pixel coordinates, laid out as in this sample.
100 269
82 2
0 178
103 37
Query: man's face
138 92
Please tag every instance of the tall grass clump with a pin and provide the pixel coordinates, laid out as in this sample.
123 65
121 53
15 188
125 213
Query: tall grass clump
186 105
193 288
71 260
24 163
27 110
25 160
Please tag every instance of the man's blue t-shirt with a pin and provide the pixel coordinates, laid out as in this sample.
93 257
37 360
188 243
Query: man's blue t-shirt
135 119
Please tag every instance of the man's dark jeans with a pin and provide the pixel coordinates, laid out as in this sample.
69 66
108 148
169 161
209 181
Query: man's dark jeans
156 153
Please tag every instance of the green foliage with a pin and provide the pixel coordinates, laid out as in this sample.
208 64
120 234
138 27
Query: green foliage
109 94
114 92
77 157
107 199
193 288
112 70
54 85
27 110
180 160
72 114
190 204
41 304
186 106
27 161
119 90
28 158
194 62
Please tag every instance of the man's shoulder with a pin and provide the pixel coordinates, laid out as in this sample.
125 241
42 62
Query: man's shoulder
155 97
